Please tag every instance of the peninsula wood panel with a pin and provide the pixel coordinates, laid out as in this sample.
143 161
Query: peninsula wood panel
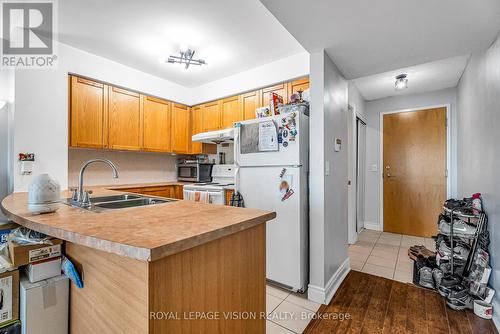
89 113
216 276
180 128
156 125
231 111
125 119
114 299
211 116
120 294
414 170
249 102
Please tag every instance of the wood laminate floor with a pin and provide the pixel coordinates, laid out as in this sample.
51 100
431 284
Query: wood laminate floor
379 305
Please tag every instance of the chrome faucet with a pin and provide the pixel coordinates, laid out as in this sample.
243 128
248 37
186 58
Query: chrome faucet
81 197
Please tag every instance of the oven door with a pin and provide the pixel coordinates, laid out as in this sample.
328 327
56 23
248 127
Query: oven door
205 196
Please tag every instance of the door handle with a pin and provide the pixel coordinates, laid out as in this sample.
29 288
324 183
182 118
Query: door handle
388 171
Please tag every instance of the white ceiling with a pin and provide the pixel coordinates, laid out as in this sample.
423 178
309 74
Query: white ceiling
426 77
368 37
232 36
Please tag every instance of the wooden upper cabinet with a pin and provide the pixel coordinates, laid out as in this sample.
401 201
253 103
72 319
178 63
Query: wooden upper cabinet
249 102
89 113
299 84
180 133
211 116
280 89
125 119
231 111
196 127
156 125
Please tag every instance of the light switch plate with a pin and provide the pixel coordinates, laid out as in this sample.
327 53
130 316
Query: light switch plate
327 167
373 168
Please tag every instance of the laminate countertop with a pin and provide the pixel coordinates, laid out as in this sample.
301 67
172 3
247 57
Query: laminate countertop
146 233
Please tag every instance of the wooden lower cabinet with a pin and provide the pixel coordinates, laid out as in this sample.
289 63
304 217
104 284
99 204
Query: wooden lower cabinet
122 295
169 191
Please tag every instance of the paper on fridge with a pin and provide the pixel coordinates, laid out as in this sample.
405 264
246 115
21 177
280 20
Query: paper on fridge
268 136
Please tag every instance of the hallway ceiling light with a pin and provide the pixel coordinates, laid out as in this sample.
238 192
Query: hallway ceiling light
401 82
186 57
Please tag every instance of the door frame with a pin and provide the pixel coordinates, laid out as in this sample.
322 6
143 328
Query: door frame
353 114
448 151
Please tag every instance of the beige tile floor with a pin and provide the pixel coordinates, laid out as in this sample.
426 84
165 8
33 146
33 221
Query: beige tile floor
287 312
385 254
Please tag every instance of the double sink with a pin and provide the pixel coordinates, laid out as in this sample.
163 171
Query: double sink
102 203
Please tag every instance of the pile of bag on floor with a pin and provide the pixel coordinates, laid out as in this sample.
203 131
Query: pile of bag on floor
459 267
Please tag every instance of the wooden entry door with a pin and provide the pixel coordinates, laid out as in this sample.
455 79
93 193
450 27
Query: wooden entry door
414 170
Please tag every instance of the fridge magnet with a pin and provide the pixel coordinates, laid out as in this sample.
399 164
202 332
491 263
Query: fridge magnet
280 135
283 171
285 186
285 144
287 195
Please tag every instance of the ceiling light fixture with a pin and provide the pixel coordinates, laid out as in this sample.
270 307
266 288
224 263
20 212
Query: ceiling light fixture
186 57
401 82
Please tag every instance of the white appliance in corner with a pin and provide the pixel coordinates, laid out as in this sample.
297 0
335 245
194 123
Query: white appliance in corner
259 175
222 179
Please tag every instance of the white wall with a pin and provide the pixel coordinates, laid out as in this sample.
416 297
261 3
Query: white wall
6 95
328 190
278 71
356 100
373 110
133 167
478 145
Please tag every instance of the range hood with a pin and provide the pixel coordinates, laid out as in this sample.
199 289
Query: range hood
215 137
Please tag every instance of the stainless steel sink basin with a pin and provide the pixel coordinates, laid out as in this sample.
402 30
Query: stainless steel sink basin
113 198
123 201
131 203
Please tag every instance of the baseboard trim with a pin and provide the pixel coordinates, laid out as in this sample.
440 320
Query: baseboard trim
496 313
372 226
324 295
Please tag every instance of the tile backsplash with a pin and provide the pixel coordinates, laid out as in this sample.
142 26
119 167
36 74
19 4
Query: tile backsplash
133 167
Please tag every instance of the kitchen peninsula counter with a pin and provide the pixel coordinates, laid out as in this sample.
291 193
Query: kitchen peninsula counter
146 268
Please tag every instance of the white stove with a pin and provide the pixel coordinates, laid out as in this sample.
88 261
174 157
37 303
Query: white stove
212 192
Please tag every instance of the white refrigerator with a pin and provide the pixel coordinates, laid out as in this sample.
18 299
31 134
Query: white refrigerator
260 171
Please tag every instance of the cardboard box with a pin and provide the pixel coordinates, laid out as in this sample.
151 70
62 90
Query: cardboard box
38 271
45 306
5 230
9 296
21 255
